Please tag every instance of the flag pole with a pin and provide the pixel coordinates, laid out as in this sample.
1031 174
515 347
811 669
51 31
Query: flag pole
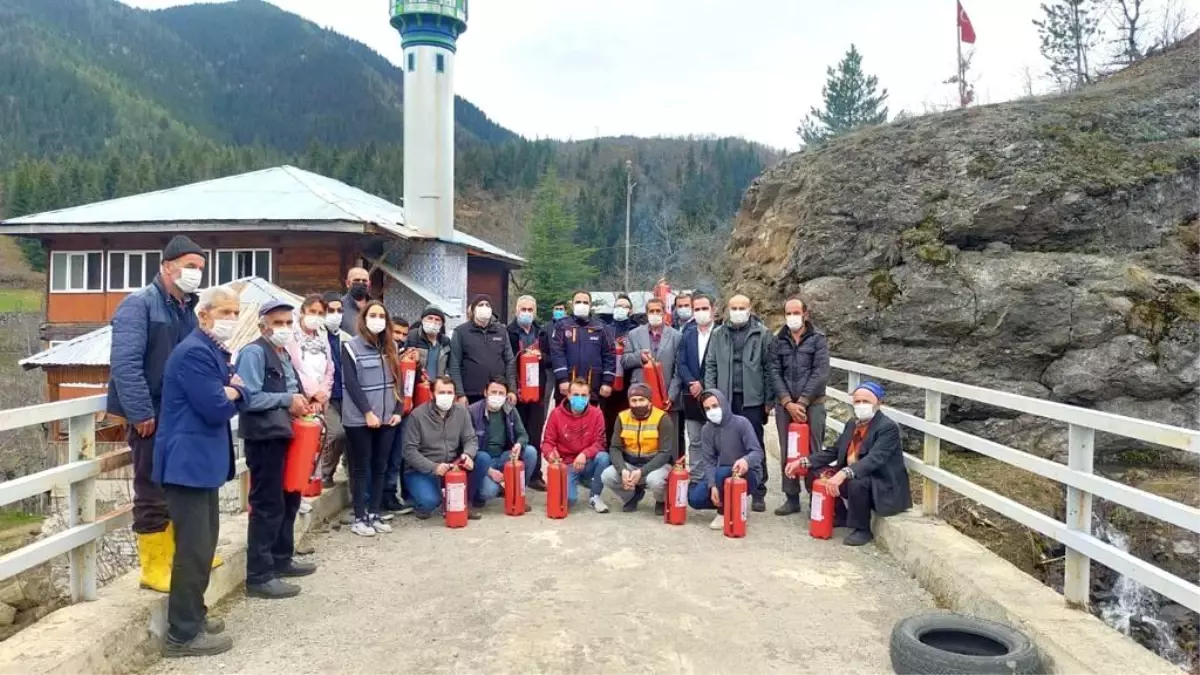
962 94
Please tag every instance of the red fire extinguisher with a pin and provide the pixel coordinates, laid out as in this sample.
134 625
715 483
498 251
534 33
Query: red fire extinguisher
422 393
823 509
619 380
313 489
301 453
455 497
514 487
797 445
658 385
675 512
736 503
556 489
529 365
408 377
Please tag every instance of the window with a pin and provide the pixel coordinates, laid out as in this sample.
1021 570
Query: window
76 272
412 62
441 63
131 270
240 263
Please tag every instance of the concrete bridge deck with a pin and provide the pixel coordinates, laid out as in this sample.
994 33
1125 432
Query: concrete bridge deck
612 593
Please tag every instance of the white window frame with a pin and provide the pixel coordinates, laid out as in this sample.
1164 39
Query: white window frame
67 277
215 262
125 287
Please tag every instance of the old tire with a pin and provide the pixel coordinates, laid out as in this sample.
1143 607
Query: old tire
941 643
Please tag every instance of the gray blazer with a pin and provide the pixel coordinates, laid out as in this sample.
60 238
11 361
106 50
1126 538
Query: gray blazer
668 349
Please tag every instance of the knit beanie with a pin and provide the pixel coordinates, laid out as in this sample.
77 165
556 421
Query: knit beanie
639 389
873 387
179 246
482 297
433 310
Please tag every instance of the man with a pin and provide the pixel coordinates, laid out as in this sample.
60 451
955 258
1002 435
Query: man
273 398
659 342
798 370
335 435
358 282
500 433
147 325
480 351
622 316
640 451
392 501
575 436
431 342
693 348
736 364
559 311
873 476
728 447
439 435
193 458
583 349
682 312
525 334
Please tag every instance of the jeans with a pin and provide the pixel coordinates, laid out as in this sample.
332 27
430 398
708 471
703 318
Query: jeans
757 415
700 497
426 488
490 488
369 449
816 428
693 439
592 471
270 535
335 440
395 463
149 503
655 481
197 518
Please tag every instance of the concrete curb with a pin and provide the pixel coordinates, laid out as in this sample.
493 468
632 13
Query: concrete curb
121 631
1070 640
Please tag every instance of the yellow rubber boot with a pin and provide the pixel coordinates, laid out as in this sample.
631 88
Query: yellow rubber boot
155 551
217 561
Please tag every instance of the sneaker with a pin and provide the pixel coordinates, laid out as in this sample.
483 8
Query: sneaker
404 509
473 514
274 589
659 508
297 569
788 508
305 507
423 515
598 504
386 517
632 505
858 538
204 644
391 503
214 625
717 523
758 504
362 528
379 526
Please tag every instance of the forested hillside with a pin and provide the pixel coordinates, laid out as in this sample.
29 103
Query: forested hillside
100 100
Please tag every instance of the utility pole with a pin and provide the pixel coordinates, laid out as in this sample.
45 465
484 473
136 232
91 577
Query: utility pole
628 212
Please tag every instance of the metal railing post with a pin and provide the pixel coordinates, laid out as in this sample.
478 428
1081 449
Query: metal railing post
853 379
243 478
1077 574
81 505
932 455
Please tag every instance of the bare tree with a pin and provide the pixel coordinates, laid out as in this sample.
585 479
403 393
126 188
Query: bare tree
1069 33
1175 22
1130 24
1027 80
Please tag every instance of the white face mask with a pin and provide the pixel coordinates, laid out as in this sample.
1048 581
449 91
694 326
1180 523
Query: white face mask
281 336
703 317
620 314
654 319
738 317
794 321
714 415
430 327
313 322
684 313
864 411
189 279
222 329
496 402
444 401
333 320
376 324
582 310
483 314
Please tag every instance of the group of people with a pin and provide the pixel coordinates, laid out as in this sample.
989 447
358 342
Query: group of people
342 358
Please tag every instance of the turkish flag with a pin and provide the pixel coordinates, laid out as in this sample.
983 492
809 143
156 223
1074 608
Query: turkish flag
965 29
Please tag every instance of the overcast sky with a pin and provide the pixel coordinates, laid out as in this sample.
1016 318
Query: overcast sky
572 69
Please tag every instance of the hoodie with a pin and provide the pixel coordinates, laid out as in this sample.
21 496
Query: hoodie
725 443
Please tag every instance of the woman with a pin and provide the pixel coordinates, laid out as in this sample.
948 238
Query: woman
370 391
310 352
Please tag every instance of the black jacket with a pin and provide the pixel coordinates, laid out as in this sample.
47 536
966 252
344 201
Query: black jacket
479 354
518 339
880 459
799 371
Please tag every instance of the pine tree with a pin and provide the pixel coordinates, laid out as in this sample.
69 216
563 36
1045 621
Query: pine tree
1069 33
555 265
851 102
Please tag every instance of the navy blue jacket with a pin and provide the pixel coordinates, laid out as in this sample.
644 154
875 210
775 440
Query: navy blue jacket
335 349
193 445
583 349
145 328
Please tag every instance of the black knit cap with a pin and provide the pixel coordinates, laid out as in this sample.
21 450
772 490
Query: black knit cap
433 310
179 246
482 297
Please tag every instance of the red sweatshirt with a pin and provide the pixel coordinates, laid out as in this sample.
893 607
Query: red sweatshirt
569 435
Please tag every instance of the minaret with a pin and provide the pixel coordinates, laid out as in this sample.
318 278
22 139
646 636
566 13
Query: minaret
429 31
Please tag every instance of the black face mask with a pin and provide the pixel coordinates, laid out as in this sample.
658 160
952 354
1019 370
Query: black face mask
641 412
358 291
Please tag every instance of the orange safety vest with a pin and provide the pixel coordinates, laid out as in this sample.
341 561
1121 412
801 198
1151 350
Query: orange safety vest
640 437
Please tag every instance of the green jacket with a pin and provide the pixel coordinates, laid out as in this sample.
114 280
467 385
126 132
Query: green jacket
718 363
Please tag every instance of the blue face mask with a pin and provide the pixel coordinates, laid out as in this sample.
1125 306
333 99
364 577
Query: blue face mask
525 319
579 403
560 314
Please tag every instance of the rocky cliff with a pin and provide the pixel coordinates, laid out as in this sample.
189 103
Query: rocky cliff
1045 246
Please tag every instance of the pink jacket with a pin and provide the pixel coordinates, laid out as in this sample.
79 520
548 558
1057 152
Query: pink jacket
311 387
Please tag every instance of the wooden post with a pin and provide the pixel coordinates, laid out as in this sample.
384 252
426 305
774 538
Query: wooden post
81 505
1078 573
932 455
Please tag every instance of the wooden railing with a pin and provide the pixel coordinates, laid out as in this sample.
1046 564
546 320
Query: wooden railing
1082 484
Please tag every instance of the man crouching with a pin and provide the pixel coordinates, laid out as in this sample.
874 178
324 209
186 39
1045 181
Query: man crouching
728 447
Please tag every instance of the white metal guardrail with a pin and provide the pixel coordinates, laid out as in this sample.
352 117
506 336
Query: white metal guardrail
78 476
1082 484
